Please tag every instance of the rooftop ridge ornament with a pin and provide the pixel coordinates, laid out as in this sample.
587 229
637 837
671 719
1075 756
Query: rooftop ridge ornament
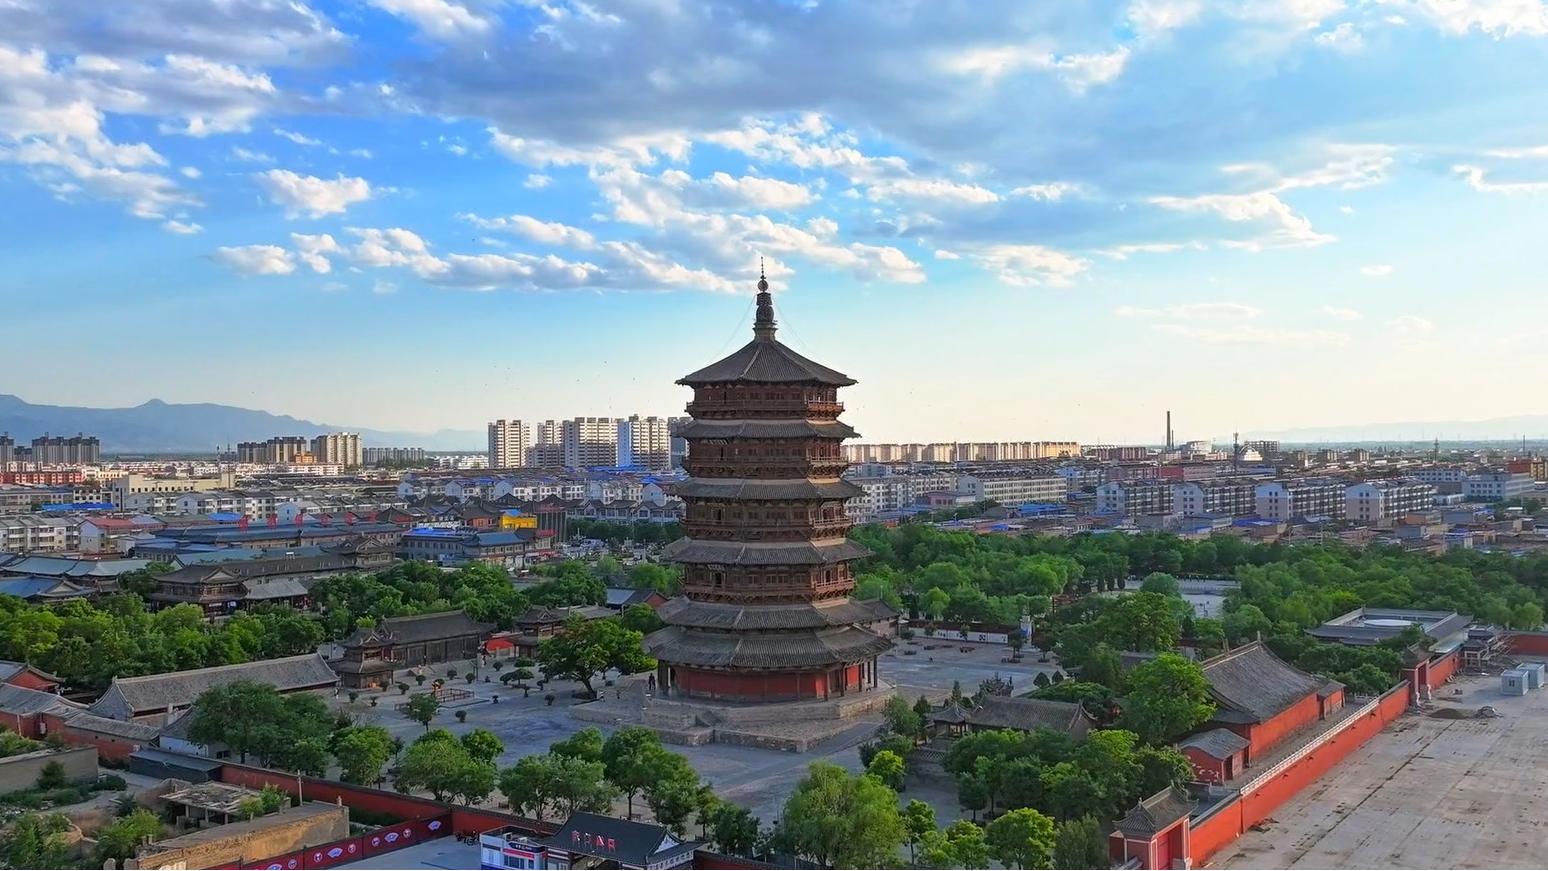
763 323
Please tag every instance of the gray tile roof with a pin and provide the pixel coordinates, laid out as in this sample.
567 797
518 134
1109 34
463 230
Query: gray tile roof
689 550
810 649
1000 712
1218 743
20 700
804 615
1251 684
766 361
1155 814
117 728
777 429
129 697
422 627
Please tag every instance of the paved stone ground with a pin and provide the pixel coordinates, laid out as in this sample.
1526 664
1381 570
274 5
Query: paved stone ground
1426 792
756 778
440 853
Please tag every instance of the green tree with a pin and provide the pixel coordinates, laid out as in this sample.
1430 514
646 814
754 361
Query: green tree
841 820
1079 844
674 792
1022 838
1167 697
631 759
35 841
585 648
963 842
482 745
421 708
439 764
901 718
1160 582
918 818
1103 666
241 715
117 840
887 767
362 751
734 829
934 603
641 618
587 744
565 784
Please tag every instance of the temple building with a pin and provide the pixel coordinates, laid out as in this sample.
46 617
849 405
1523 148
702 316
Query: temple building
766 613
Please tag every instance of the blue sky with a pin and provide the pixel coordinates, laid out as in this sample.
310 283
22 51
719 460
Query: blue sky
1006 219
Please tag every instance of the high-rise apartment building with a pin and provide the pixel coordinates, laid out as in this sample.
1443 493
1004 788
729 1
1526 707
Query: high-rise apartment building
377 456
589 442
547 450
76 450
337 449
645 442
251 452
509 441
679 444
7 449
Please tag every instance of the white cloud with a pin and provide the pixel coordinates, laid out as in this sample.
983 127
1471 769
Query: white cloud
722 190
624 151
528 227
1498 18
1122 252
383 288
312 196
256 259
536 181
249 156
442 19
313 250
190 172
943 254
1528 152
932 189
1339 313
1287 229
297 138
1049 191
1376 270
1411 326
1192 311
1478 180
1078 71
1342 38
1251 334
182 228
1030 265
1151 18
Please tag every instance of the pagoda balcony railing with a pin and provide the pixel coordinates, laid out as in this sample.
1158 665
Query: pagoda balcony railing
764 408
765 467
769 594
731 531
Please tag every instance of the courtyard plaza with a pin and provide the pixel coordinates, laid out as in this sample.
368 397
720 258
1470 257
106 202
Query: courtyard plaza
1438 788
757 778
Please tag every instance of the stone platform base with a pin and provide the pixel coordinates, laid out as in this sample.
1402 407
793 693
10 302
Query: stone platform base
790 726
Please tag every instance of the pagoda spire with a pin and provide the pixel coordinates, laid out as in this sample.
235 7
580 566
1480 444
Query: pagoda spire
763 323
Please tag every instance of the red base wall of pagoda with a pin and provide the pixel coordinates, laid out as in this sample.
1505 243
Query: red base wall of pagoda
765 686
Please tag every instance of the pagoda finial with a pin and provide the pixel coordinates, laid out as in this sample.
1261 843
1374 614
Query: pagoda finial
763 323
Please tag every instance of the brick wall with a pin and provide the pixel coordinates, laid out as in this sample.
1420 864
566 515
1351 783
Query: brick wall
21 772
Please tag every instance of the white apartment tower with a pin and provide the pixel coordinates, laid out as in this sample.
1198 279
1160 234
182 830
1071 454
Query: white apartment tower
509 441
645 442
589 442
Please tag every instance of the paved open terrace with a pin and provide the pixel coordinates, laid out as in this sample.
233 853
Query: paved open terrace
1427 792
757 778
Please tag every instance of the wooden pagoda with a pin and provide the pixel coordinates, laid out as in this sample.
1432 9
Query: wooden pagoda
766 613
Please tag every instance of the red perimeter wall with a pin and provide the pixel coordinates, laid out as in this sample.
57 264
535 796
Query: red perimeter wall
1528 643
1442 669
1264 736
1226 825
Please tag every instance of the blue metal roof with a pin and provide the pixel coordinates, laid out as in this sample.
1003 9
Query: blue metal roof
26 588
78 506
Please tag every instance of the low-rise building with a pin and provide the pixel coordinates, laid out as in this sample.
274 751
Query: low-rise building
1300 497
155 698
1374 501
371 655
1496 486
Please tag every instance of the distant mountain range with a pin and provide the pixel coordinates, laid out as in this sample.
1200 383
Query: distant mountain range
160 427
1533 426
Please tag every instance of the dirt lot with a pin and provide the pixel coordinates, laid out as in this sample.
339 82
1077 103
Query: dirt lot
1427 792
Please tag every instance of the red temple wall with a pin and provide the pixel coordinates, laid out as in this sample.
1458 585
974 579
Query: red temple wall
1442 669
1263 736
773 685
1528 643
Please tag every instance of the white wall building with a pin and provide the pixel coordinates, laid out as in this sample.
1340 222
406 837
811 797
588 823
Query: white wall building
1495 486
645 442
509 441
1372 501
589 442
